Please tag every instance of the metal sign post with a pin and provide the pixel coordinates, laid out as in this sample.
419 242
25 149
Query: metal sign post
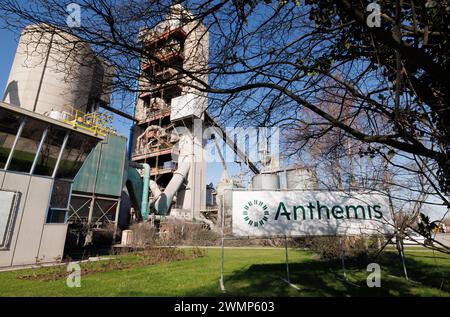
287 260
342 251
222 285
402 255
342 258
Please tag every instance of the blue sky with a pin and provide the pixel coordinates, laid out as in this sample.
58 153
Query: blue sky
7 51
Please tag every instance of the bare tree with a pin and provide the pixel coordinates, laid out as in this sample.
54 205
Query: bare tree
318 68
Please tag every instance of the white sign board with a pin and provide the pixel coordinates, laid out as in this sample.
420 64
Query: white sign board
309 213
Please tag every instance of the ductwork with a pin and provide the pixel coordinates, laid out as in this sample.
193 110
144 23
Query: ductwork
164 200
154 188
145 187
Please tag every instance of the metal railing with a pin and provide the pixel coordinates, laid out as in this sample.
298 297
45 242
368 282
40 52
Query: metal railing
94 122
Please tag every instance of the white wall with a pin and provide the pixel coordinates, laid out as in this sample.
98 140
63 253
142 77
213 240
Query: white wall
32 239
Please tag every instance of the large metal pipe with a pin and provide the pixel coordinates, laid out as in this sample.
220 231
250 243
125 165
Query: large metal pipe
144 210
154 188
144 201
164 201
130 142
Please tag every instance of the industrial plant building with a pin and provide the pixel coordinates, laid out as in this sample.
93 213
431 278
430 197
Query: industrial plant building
39 159
165 103
66 177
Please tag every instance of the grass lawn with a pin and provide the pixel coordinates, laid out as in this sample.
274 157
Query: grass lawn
249 272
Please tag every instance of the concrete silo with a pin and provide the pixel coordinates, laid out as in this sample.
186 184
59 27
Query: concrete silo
301 178
54 71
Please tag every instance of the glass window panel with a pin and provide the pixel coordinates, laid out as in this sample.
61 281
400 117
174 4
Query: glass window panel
9 125
60 194
77 149
56 216
27 146
50 151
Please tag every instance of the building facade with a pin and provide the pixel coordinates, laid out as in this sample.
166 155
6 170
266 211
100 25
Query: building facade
39 158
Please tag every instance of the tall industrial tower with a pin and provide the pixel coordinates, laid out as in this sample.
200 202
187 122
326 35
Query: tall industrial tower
166 102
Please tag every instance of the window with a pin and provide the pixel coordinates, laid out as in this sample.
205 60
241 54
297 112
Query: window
59 202
61 194
77 149
27 146
9 125
56 216
50 151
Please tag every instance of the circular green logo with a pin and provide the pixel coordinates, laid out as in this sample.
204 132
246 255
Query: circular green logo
256 213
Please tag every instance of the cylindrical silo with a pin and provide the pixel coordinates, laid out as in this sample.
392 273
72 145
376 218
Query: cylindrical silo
266 181
225 198
52 71
301 178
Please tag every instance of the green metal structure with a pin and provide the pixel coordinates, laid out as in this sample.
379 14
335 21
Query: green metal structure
103 171
98 188
135 188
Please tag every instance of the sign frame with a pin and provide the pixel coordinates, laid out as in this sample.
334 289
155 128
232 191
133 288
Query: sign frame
287 279
388 221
